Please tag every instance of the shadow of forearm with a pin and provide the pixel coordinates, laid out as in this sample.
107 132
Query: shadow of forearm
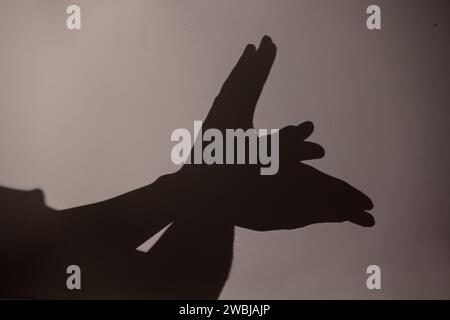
191 260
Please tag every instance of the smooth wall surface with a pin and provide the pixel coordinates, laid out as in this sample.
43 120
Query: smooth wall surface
87 115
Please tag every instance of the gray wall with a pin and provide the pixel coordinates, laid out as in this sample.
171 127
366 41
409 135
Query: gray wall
139 69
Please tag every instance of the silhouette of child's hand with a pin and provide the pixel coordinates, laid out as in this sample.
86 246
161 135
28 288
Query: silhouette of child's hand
296 196
203 201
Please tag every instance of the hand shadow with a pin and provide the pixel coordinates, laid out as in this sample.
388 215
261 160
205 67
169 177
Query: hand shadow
193 257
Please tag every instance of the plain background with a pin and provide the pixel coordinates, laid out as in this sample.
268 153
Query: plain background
87 115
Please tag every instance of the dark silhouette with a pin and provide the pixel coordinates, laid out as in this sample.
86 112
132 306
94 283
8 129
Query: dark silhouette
193 257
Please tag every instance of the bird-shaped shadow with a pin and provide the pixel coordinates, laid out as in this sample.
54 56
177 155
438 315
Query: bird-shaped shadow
201 203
